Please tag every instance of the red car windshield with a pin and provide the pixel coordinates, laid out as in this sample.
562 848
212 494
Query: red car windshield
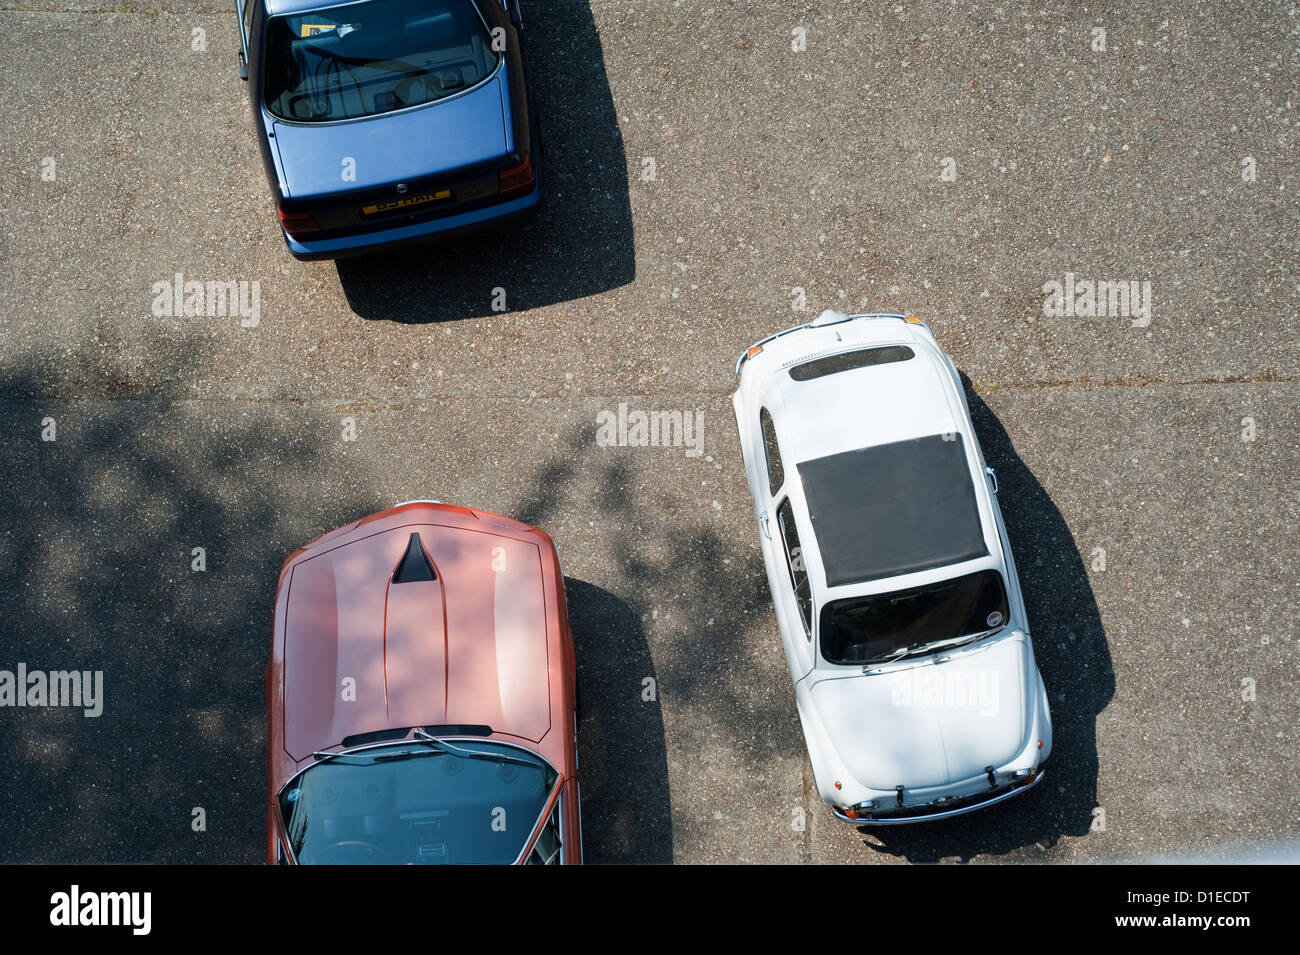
417 803
363 59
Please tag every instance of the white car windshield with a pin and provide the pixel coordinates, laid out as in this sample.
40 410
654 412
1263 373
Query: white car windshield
875 628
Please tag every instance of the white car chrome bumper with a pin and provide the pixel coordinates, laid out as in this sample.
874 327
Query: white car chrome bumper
922 816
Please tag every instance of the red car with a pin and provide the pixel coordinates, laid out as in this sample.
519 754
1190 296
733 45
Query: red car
421 695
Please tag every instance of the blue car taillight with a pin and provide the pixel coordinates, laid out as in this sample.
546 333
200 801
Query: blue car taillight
298 224
518 180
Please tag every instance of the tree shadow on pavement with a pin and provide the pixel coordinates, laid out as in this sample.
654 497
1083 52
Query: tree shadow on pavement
660 613
97 574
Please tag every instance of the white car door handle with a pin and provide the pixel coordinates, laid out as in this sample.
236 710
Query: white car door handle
762 525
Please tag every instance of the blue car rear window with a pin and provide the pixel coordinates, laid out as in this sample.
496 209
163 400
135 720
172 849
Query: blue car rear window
364 59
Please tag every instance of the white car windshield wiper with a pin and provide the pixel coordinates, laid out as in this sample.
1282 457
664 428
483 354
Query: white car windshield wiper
920 648
954 641
886 658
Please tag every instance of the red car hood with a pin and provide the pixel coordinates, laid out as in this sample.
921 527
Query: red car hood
363 654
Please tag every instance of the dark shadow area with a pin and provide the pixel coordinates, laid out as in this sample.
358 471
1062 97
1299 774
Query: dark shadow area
626 815
1071 650
96 574
580 243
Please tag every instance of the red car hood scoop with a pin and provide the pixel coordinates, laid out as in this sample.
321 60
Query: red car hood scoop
420 625
415 565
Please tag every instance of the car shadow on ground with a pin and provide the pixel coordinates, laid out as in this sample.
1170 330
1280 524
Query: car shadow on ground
1072 653
626 815
579 244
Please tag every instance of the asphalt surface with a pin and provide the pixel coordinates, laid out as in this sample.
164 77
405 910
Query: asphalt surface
774 170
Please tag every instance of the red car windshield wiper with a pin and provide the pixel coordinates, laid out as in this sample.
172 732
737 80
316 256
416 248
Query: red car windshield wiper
410 754
454 750
322 756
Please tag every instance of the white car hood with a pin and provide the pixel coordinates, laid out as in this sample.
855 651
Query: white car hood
927 724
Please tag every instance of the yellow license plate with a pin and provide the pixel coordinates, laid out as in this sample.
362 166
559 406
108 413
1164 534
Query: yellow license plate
396 204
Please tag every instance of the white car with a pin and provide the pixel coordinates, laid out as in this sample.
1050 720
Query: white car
892 579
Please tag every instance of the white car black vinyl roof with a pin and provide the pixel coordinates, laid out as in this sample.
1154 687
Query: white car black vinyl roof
893 509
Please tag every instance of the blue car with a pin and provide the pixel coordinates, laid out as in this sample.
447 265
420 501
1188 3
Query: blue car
389 121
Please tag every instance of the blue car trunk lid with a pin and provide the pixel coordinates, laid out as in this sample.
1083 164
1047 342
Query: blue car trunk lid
444 154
